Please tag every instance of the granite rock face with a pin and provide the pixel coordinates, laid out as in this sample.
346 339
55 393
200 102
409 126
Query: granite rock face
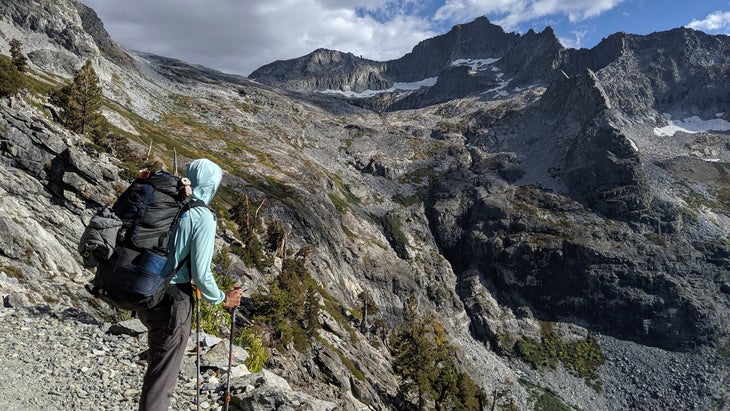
530 184
548 253
324 70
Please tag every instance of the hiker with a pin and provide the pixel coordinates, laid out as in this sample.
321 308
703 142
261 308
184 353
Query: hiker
169 322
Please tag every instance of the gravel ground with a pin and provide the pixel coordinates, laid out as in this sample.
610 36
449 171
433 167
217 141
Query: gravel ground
654 379
636 377
67 361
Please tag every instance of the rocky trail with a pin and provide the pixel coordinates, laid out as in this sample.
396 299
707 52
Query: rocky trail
67 360
555 199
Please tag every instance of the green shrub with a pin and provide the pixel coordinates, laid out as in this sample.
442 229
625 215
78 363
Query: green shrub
249 223
13 272
550 402
250 339
340 204
544 399
406 201
393 233
215 318
656 239
580 358
345 190
723 351
291 306
12 80
272 307
424 361
418 176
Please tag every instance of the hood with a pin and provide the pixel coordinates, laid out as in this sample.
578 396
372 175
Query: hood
205 177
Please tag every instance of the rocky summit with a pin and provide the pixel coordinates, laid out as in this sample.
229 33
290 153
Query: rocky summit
557 218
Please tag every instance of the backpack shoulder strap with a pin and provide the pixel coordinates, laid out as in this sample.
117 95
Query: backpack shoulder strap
179 266
197 203
201 203
185 207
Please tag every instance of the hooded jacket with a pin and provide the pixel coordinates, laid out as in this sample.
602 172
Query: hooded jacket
195 233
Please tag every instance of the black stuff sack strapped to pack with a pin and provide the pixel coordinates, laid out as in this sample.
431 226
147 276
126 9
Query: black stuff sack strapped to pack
128 243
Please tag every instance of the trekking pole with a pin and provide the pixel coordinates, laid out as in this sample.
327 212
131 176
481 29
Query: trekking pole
230 353
197 349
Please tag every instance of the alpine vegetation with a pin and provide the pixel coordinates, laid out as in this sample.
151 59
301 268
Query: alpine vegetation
492 221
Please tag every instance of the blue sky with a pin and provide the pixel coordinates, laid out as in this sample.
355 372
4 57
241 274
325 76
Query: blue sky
238 36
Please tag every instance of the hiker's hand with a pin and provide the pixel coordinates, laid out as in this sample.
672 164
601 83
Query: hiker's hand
233 299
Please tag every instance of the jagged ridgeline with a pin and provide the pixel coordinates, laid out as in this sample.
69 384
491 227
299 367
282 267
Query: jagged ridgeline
491 221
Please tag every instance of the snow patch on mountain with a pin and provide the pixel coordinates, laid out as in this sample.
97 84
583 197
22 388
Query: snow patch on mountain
482 65
500 90
477 64
692 125
397 86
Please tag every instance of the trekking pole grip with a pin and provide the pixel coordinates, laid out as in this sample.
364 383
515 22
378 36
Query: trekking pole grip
237 287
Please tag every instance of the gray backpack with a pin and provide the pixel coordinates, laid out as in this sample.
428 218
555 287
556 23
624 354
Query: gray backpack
128 244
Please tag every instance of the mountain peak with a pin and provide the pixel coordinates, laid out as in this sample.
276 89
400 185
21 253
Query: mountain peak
530 197
323 69
93 25
73 30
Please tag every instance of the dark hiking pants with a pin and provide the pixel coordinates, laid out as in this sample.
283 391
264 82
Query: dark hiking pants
168 325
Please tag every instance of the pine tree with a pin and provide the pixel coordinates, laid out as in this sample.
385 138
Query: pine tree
11 80
290 280
311 311
415 359
19 60
81 101
425 361
86 99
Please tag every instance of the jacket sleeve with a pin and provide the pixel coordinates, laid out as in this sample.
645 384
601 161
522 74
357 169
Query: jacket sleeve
201 255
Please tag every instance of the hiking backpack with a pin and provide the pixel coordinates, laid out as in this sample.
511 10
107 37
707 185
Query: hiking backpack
128 243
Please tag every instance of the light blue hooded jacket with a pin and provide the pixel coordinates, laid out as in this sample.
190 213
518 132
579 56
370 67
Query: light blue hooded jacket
195 233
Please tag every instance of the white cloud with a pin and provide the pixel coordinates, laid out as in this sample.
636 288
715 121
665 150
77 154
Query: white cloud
575 42
715 22
462 10
510 13
251 34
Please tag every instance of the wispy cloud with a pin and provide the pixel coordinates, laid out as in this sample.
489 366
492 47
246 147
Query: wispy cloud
510 13
239 37
462 10
574 42
715 22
